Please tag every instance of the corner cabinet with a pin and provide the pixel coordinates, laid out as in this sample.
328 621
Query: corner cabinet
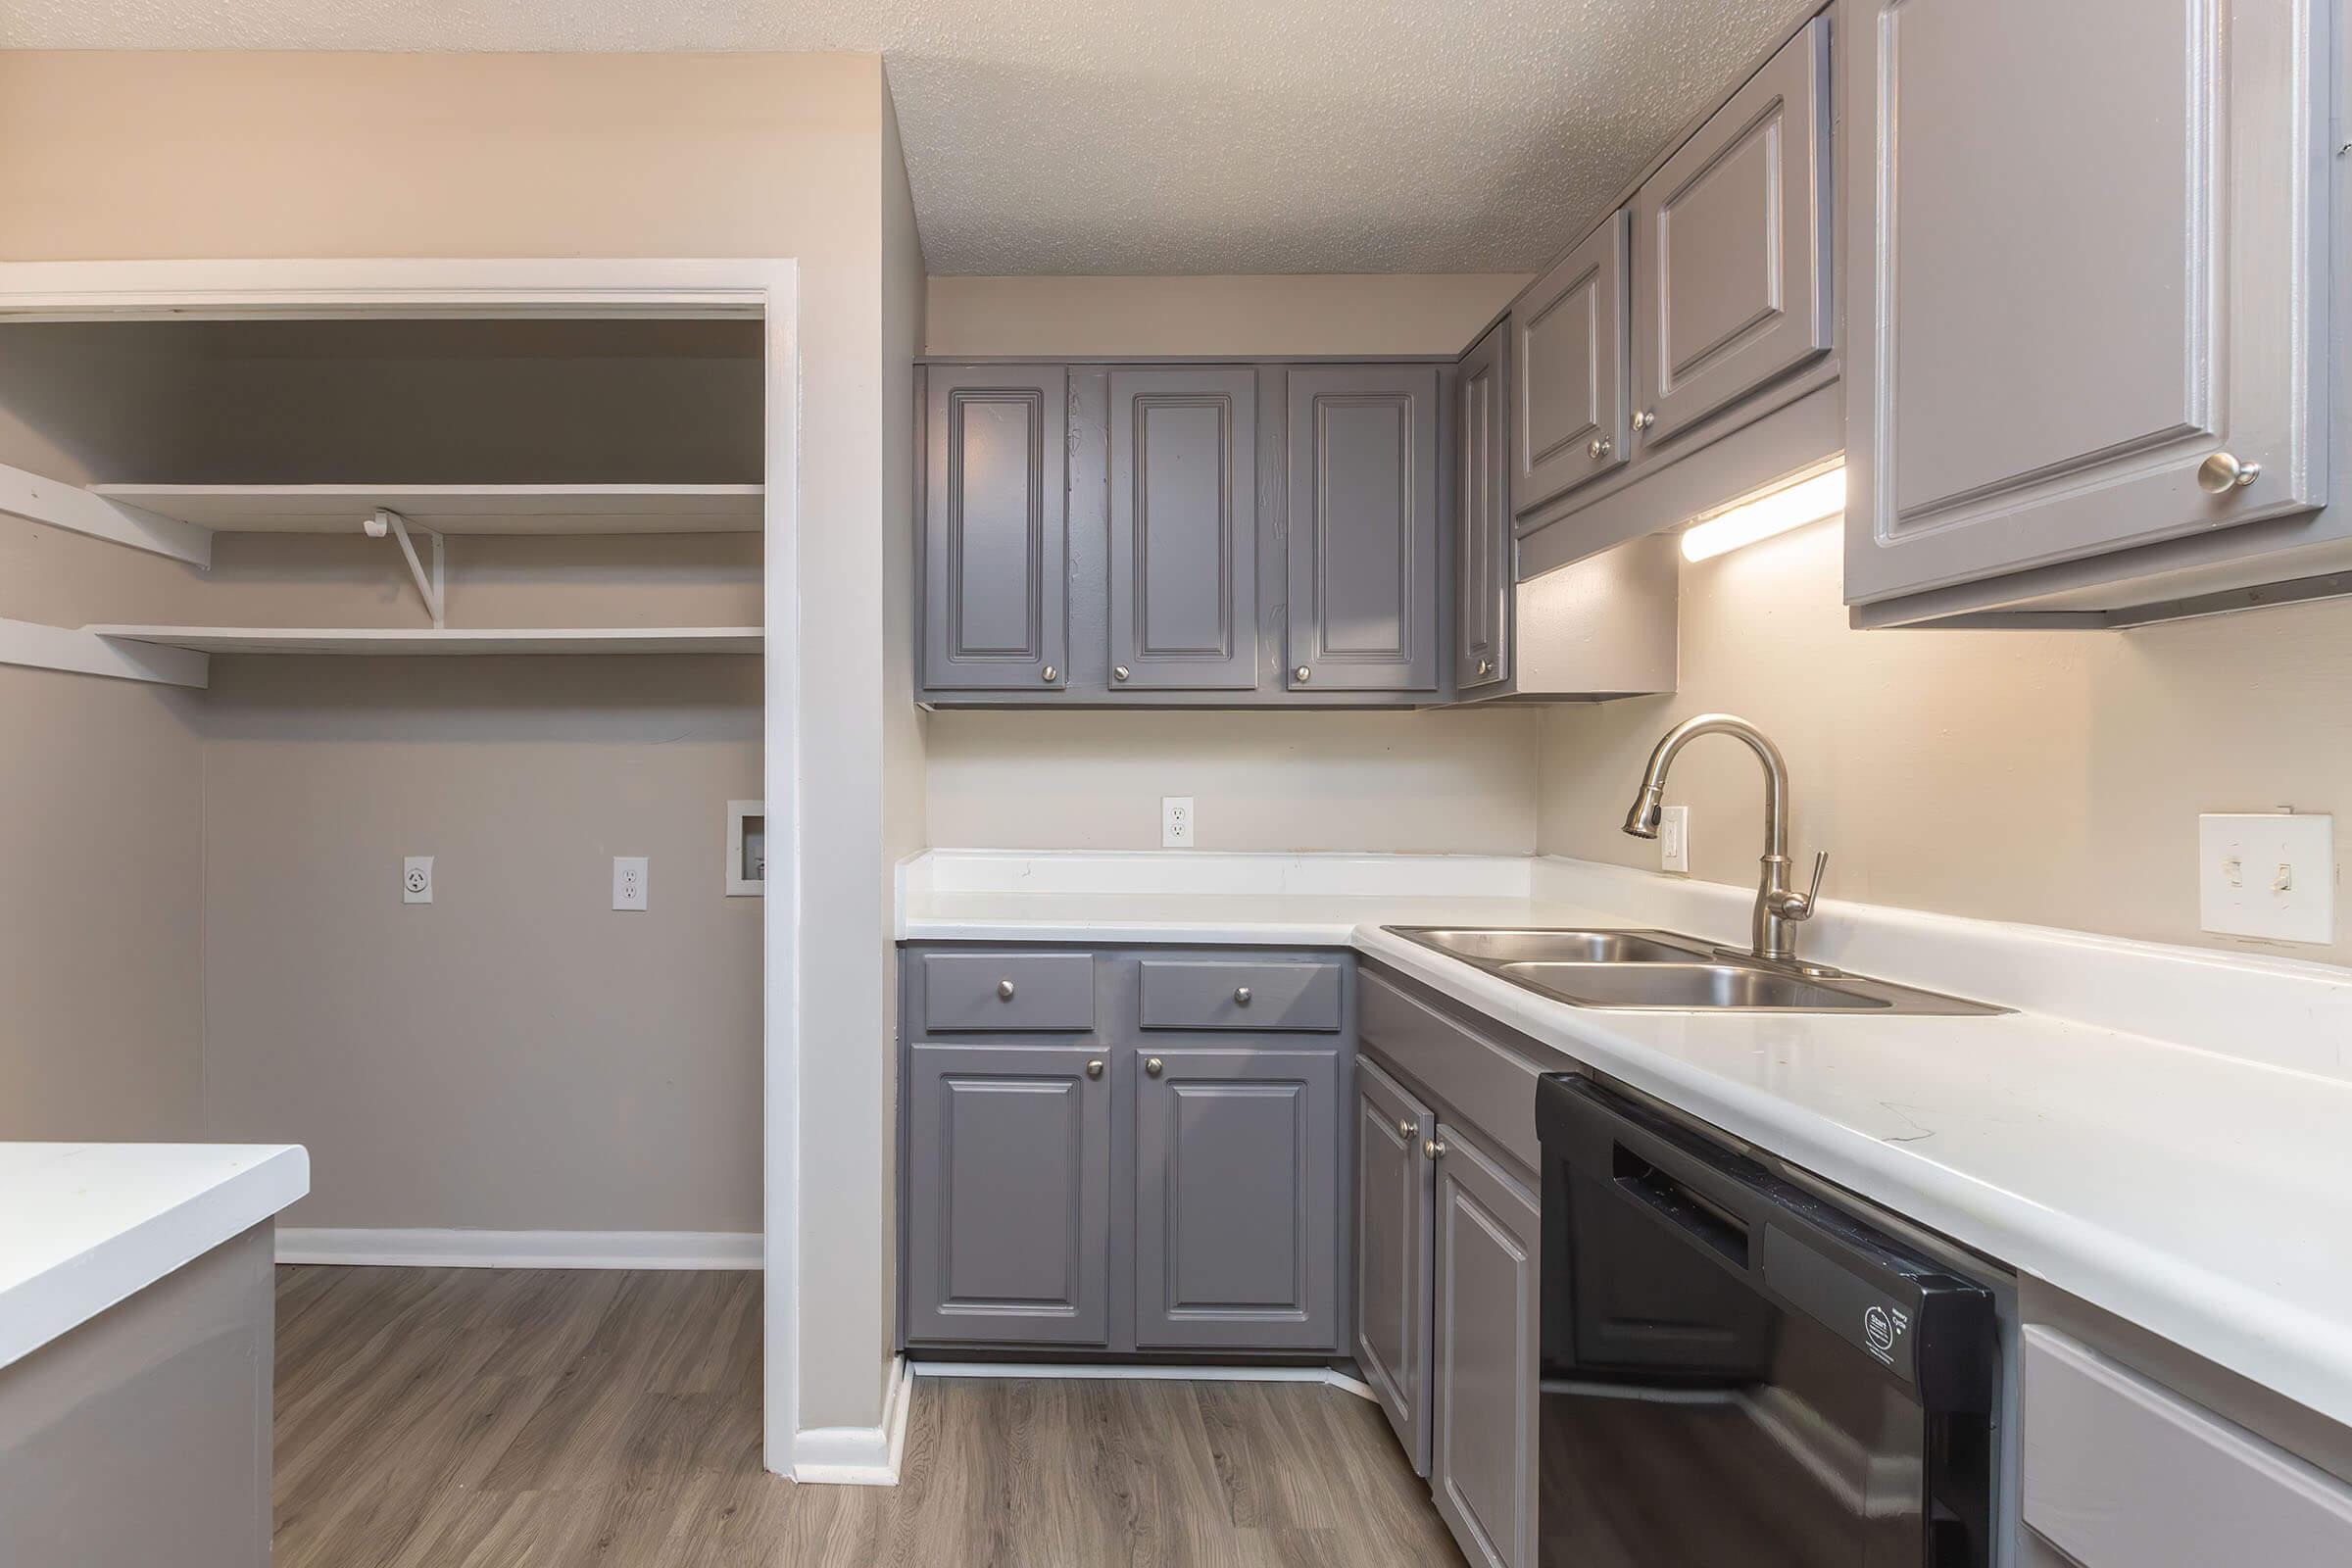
995 530
1364 528
2091 289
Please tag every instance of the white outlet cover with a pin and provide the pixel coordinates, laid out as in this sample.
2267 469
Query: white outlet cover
1176 822
632 876
416 879
2270 876
1674 837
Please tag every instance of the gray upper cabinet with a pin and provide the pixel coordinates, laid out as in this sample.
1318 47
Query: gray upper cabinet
1488 1297
1730 242
1362 516
1394 1186
996 537
1183 611
1007 1192
1236 1199
1569 421
2088 246
1482 565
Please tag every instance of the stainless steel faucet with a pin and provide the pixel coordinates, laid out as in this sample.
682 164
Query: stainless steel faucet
1779 906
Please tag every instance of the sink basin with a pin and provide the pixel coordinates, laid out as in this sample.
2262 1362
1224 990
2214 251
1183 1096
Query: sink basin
1684 986
1557 947
1666 972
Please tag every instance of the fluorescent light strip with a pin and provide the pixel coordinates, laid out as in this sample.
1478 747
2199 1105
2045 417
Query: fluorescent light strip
1807 501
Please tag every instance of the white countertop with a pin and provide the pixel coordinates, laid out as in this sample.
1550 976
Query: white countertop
83 1226
2173 1181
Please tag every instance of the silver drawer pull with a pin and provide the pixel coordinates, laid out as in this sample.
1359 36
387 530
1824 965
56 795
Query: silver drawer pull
1153 1065
1093 1068
1241 995
1005 990
1435 1148
1407 1130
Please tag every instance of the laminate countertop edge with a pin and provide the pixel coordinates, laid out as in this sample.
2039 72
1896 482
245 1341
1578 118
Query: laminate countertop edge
86 1225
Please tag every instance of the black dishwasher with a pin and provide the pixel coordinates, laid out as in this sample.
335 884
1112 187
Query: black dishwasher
1737 1371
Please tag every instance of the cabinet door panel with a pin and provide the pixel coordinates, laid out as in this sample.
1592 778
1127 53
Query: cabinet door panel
2080 269
1483 562
1237 1197
1394 1213
1184 529
1488 1293
1732 246
1008 1194
1364 528
996 534
1569 417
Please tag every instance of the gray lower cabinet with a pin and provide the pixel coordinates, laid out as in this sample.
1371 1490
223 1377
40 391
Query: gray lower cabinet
1488 1297
2087 252
1483 564
1183 610
1395 1219
996 538
1008 1186
1237 1202
1732 240
1362 519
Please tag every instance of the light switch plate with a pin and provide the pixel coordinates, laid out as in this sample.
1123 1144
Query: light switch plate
631 877
1674 837
2269 875
1175 822
416 879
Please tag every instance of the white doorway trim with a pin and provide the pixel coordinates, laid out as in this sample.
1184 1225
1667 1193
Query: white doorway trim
767 289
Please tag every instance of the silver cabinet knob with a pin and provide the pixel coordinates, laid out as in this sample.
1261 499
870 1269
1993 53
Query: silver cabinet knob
1004 991
1093 1068
1435 1148
1644 419
1601 447
1119 671
1406 1129
2222 473
1049 674
1301 673
1153 1065
1241 995
1486 666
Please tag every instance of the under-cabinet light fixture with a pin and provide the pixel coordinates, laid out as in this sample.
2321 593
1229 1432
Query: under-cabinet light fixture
1791 507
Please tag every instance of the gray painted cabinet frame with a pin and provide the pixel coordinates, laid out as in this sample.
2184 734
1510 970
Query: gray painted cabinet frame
1396 1219
1484 565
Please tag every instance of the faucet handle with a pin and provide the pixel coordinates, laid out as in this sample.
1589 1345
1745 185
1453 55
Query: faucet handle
1799 906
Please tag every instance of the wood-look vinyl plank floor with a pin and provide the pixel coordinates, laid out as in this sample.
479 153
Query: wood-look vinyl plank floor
489 1418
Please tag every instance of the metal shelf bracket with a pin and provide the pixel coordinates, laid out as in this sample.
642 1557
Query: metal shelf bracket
429 584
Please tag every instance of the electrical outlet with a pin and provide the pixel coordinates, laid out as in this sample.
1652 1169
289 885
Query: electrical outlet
1175 822
2270 876
416 879
630 876
1674 837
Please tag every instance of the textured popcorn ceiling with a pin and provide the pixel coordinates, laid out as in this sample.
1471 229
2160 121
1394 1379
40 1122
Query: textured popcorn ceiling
1119 136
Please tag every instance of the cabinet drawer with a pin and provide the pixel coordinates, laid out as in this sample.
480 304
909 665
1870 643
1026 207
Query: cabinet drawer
2122 1471
1217 993
1038 992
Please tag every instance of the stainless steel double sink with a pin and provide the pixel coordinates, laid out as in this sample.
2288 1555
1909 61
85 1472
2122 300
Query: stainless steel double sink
1665 971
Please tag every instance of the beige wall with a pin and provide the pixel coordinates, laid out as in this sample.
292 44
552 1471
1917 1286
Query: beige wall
1405 314
129 156
2047 777
1461 782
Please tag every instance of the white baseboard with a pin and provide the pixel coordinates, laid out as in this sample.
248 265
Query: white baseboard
860 1457
1114 1370
464 1248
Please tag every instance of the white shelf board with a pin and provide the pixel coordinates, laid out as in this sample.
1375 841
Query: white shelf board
411 641
455 509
